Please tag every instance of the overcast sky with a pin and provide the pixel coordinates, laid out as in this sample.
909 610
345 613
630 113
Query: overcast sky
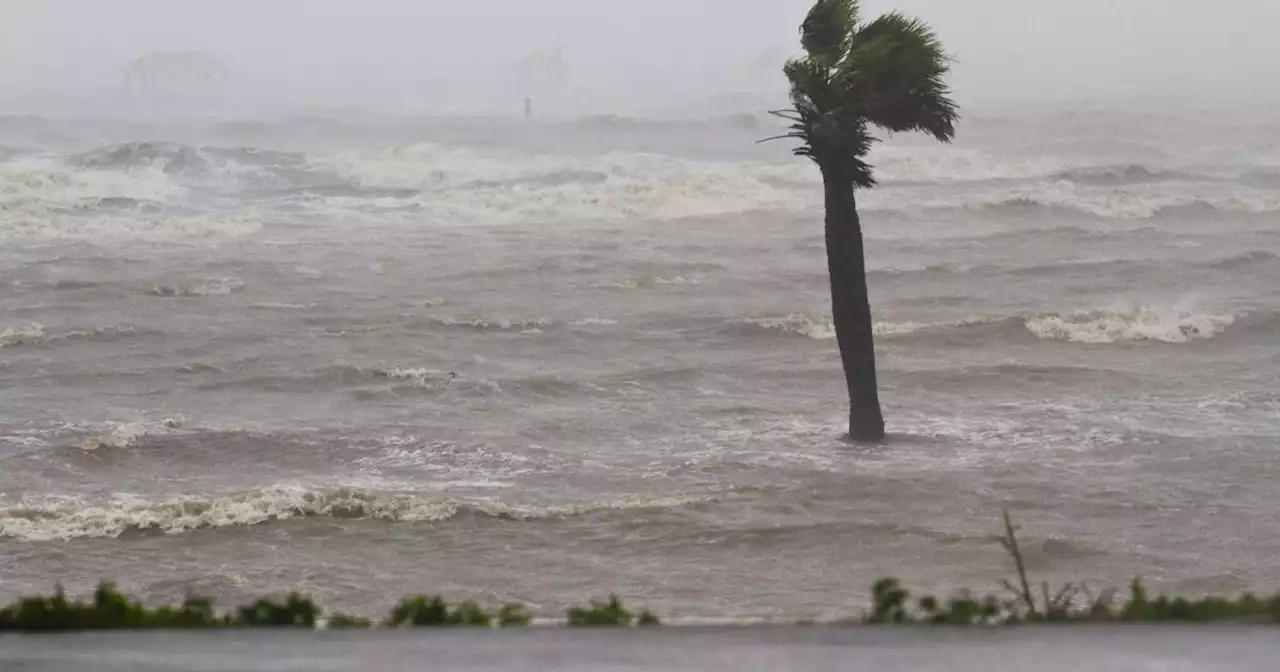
632 55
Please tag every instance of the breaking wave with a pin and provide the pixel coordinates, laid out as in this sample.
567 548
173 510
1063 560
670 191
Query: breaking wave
1121 205
23 335
35 334
207 287
485 323
128 192
372 383
490 186
46 184
60 519
127 434
419 375
1125 173
1247 259
171 159
1109 265
137 191
821 327
1125 325
1103 326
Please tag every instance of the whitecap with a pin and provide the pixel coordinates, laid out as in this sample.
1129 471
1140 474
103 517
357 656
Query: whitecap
1124 324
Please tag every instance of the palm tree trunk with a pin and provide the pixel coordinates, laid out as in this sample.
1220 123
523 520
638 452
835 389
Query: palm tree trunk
850 307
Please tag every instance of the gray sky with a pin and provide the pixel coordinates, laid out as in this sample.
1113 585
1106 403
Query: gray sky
627 56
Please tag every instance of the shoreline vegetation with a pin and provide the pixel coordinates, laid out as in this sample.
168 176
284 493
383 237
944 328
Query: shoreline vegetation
892 604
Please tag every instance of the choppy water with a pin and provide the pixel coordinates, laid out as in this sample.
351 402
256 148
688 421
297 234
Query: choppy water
548 361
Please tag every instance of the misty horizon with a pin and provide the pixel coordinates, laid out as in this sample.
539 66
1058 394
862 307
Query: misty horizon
389 55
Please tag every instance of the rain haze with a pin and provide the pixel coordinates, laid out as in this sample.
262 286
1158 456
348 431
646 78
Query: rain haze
629 57
505 299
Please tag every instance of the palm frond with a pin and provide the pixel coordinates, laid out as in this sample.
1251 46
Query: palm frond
831 131
826 30
897 65
890 73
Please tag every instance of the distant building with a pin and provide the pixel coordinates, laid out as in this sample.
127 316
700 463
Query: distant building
544 67
174 72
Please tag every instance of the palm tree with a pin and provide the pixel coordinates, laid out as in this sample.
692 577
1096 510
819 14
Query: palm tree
888 73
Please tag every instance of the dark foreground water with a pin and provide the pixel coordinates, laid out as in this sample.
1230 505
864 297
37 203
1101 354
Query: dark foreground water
1132 649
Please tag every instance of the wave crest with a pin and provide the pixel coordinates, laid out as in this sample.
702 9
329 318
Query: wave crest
1247 259
61 520
1124 325
496 187
23 335
528 325
1124 173
1117 204
169 158
821 327
207 287
1099 326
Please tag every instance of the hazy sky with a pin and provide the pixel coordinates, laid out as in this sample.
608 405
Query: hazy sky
634 54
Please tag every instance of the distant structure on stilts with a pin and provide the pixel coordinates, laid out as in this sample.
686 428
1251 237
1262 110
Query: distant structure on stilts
543 70
180 73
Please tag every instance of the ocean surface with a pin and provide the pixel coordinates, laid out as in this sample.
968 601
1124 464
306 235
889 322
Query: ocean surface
545 361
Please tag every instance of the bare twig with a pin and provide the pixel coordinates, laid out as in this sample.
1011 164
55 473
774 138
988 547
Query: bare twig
1010 543
1062 601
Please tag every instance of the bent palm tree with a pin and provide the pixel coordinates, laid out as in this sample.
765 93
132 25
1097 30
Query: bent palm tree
888 72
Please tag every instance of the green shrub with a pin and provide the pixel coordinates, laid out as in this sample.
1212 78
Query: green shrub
341 621
647 619
514 615
610 613
889 602
470 614
420 611
297 611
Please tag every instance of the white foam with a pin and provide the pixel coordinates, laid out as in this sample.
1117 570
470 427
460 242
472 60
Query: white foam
123 435
62 518
594 322
1133 202
50 183
74 198
35 333
929 163
821 327
420 376
126 434
484 323
657 281
138 227
1122 324
206 287
473 186
489 186
22 335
